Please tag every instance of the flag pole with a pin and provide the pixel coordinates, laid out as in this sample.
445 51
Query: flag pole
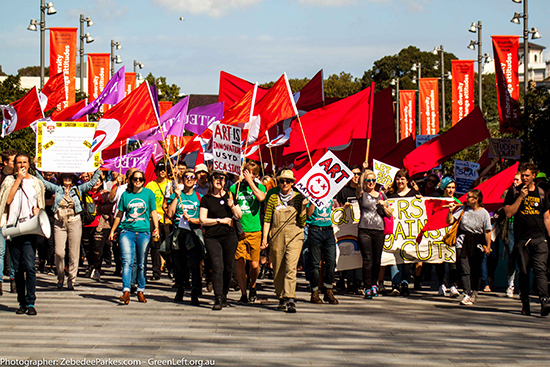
120 159
350 151
261 161
367 152
273 166
305 141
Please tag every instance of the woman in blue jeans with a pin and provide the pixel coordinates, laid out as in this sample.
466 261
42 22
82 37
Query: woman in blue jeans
135 209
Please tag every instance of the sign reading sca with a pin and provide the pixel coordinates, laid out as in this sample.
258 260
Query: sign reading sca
465 175
328 176
226 148
384 172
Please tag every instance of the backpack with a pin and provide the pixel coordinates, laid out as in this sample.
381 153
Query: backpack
89 210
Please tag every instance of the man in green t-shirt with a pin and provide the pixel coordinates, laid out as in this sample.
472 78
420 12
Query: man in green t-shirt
249 198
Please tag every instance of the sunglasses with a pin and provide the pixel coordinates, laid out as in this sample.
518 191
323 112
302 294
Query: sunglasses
432 181
138 179
285 181
219 177
189 177
370 180
356 173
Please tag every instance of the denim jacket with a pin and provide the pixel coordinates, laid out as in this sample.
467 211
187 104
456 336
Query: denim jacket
59 191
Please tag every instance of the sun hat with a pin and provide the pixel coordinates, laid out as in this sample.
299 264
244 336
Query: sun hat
201 167
286 174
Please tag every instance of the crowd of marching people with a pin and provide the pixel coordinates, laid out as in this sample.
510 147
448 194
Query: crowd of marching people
211 231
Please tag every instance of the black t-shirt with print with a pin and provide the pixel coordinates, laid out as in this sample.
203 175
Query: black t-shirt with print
528 220
217 208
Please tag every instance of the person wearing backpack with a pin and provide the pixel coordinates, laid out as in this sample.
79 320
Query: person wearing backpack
529 206
67 209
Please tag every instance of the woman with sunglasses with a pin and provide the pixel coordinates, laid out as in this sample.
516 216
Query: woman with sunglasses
217 210
401 188
284 220
138 206
370 236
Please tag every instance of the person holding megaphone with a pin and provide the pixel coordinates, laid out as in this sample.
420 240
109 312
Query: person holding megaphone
21 198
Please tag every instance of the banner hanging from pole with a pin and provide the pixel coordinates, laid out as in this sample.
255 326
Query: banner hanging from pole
505 52
129 83
407 113
463 88
98 75
63 60
429 100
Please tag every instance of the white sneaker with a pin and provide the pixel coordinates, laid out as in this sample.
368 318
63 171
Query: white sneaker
473 297
442 290
510 291
454 292
467 301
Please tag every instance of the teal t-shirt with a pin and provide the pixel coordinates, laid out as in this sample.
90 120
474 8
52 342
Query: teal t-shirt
321 217
250 206
190 203
137 208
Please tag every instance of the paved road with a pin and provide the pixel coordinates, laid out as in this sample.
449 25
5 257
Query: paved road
423 329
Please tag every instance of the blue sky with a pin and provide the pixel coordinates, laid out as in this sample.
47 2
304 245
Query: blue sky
259 39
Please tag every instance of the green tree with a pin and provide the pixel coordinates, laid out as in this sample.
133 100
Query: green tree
336 85
166 91
33 71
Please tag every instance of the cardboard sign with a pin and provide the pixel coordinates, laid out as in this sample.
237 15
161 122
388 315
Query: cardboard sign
226 148
506 148
384 172
65 146
324 180
465 175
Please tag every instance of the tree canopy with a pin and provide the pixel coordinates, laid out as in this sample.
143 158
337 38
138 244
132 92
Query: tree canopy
33 71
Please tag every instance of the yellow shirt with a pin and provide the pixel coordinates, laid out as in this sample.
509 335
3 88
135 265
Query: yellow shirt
158 190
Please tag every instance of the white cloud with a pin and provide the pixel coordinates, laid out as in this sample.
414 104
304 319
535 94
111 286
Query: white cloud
213 8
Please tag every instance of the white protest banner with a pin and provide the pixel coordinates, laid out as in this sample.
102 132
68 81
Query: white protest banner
65 146
324 180
384 172
400 247
506 148
465 175
226 148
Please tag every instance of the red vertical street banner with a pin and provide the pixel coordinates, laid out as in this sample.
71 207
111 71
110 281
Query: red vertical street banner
505 52
429 101
63 60
407 113
129 83
165 106
463 88
98 75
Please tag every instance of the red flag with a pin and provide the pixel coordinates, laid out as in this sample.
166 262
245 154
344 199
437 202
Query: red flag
312 95
67 114
469 131
463 88
492 191
407 113
429 106
53 92
21 113
505 51
115 151
277 105
233 88
334 125
301 162
132 115
395 156
63 60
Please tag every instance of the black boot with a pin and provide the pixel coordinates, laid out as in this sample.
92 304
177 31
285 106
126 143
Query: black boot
179 295
526 307
544 306
195 297
217 304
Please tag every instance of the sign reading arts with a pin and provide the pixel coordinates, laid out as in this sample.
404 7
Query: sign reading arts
226 148
65 146
400 247
324 180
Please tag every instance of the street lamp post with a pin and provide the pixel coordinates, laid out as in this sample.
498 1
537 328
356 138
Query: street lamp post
476 27
44 9
418 68
395 82
115 59
535 34
136 64
84 37
442 66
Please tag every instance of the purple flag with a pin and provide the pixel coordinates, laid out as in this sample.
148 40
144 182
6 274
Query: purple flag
155 94
199 118
111 94
158 152
172 122
138 158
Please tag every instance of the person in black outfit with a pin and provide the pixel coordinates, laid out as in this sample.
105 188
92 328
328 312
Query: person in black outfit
529 206
217 210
